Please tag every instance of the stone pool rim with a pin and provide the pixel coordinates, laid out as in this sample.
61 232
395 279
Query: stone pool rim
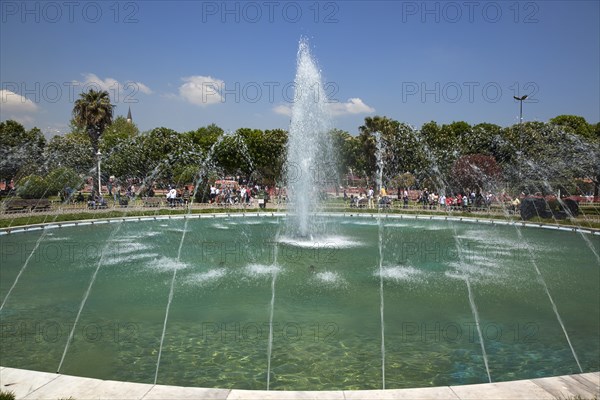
43 385
373 216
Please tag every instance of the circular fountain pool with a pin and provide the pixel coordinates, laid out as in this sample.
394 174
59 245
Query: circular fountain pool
449 303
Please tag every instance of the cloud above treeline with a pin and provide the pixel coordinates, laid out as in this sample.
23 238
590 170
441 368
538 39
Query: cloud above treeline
119 91
204 91
352 106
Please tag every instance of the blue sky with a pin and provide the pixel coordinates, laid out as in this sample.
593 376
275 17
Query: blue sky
186 64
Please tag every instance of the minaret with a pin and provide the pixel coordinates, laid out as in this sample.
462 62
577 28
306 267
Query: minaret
129 116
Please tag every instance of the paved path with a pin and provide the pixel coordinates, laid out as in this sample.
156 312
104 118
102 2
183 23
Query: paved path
43 385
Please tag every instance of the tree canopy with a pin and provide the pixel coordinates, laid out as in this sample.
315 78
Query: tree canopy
563 153
20 150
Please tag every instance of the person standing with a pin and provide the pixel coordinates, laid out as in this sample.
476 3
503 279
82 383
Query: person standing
370 194
186 195
171 196
433 200
109 185
243 194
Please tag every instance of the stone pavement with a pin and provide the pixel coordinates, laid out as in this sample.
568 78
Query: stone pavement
43 385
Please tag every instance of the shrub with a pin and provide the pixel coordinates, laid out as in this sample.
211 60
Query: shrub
33 187
534 207
7 395
61 178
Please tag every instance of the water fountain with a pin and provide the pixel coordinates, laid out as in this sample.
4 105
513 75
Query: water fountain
296 302
310 162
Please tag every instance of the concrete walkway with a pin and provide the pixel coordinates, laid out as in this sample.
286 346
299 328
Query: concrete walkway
43 385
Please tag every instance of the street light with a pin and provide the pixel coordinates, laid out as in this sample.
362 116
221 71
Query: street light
520 100
98 154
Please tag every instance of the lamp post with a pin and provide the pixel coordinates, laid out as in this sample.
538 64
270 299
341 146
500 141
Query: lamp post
520 100
98 154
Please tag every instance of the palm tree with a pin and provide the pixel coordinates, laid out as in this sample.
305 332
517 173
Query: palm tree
93 112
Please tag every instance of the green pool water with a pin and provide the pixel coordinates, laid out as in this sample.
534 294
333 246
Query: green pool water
326 320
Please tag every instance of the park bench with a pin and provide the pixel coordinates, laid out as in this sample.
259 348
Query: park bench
152 201
93 205
25 205
359 203
384 202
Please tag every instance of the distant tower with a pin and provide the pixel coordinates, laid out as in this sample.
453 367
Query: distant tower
129 116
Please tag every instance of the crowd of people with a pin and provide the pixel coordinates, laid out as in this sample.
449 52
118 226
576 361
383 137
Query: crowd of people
229 192
425 198
455 201
223 192
233 193
177 197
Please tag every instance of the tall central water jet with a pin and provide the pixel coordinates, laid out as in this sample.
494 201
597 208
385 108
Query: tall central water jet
310 165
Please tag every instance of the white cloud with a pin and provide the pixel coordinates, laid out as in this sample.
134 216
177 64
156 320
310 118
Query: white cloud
123 90
283 109
143 88
15 103
352 106
18 108
201 90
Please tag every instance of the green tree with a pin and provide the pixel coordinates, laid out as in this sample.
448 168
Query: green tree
266 152
482 139
32 187
574 124
117 132
62 178
271 159
160 154
440 151
231 155
348 151
446 142
387 129
588 162
94 112
405 180
20 150
368 144
73 151
401 150
552 158
205 137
